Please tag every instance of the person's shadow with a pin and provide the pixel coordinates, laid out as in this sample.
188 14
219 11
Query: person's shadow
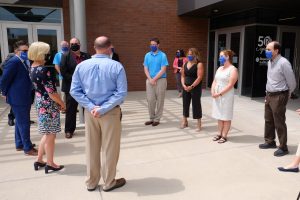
152 186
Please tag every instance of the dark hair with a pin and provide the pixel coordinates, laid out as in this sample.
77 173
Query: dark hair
154 40
229 53
20 43
182 54
277 46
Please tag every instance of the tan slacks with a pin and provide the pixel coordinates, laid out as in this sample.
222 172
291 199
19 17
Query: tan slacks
103 137
156 98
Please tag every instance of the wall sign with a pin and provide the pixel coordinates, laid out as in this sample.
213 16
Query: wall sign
262 42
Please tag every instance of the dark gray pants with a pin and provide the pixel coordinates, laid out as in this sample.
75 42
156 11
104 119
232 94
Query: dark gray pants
275 108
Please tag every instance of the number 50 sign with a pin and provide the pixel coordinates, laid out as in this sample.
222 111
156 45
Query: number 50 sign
263 41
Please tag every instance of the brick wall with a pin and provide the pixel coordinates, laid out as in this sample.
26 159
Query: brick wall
130 24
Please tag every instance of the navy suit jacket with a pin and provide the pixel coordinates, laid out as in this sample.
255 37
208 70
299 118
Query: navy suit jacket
16 84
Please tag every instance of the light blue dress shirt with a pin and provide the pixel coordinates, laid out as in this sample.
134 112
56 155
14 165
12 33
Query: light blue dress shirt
99 81
154 62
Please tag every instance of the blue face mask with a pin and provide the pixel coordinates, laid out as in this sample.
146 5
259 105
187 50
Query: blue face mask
153 48
24 55
178 54
268 54
190 57
65 49
222 60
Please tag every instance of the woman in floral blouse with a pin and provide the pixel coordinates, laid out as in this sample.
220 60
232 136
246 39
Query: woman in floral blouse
48 104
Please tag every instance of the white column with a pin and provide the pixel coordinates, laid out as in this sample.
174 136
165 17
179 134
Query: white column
78 22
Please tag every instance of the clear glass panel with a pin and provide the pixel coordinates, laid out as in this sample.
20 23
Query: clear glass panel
14 35
221 45
27 14
50 37
235 47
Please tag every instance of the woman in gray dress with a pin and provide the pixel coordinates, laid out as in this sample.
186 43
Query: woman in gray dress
222 91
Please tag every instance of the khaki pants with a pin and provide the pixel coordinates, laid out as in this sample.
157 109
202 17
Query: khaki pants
156 98
103 137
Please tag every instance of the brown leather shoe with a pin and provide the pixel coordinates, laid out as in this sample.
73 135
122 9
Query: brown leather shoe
119 183
155 123
21 148
69 135
148 123
32 152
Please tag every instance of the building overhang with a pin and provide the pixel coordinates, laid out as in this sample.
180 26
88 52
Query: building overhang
212 8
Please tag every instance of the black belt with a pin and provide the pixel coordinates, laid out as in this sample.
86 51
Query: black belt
276 93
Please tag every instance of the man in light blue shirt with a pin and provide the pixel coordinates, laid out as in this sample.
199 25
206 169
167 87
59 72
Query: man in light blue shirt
99 84
155 66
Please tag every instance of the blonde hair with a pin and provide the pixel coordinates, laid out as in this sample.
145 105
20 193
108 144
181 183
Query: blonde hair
37 51
195 53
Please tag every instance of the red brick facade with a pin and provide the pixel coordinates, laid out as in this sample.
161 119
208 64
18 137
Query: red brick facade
130 25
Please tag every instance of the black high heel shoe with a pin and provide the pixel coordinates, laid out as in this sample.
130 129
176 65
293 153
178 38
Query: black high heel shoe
38 165
48 168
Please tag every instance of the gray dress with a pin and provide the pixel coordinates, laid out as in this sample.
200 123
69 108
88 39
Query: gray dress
222 107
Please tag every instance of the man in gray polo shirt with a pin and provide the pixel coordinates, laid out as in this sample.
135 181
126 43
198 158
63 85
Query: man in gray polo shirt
280 84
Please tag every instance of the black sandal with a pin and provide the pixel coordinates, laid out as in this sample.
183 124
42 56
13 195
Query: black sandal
217 137
222 140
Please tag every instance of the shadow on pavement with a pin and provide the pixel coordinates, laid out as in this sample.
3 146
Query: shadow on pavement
246 139
152 186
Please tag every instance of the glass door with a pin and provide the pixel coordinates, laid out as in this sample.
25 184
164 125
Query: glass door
50 35
290 43
235 40
230 39
14 32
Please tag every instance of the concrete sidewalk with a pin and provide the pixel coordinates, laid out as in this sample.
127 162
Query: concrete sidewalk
163 162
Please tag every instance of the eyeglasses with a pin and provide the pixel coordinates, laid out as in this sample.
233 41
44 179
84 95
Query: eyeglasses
24 50
74 43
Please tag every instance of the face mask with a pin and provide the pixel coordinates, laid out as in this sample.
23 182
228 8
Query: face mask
24 55
153 48
222 60
47 57
112 50
65 49
190 57
75 47
178 54
268 54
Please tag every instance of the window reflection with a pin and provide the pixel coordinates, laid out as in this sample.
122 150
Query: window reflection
27 14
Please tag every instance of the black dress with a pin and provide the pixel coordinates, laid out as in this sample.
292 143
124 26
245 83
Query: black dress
194 94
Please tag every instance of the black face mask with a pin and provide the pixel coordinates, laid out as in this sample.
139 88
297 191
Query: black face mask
47 57
75 47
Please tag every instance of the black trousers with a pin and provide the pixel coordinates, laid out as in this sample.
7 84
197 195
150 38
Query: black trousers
71 111
11 115
195 96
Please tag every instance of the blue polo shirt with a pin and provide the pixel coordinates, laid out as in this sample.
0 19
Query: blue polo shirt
154 63
57 58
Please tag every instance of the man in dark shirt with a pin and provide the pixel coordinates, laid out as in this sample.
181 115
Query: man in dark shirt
69 61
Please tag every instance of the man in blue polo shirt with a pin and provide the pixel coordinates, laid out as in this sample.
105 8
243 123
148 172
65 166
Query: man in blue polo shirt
56 61
155 66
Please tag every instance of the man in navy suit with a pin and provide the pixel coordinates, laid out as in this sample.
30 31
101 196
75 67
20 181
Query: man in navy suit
16 86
